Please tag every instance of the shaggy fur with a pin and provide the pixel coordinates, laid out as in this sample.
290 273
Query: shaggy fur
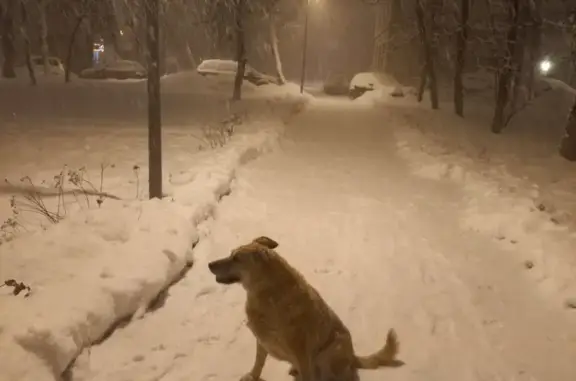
291 321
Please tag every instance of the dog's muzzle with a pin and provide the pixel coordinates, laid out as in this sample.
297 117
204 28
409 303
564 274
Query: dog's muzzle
222 269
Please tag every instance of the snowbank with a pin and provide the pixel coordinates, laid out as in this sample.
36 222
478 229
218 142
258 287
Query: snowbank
192 82
23 77
101 266
504 207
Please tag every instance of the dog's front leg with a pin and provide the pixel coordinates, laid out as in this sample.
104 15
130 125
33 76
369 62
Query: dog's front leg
259 361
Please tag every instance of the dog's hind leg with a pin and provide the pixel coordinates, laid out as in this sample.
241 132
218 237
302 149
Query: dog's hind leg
259 361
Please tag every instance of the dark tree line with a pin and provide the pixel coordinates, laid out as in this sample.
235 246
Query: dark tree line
503 37
153 26
68 29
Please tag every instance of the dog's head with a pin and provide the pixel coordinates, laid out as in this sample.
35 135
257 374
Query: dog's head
243 261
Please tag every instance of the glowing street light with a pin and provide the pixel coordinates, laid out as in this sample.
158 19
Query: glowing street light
545 66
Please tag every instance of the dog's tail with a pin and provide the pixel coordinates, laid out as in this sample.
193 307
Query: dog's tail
385 357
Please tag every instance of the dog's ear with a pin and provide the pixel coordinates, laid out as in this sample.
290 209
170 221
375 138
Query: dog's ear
266 242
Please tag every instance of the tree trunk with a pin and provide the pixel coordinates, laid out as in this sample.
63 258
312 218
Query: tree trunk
275 49
461 42
181 49
44 48
87 43
494 33
163 38
138 32
423 81
534 43
176 32
112 52
568 144
71 47
189 54
304 48
26 39
240 50
572 35
518 61
428 54
505 72
8 49
154 100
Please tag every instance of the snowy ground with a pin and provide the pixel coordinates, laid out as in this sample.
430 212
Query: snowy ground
383 244
393 219
103 263
88 124
521 192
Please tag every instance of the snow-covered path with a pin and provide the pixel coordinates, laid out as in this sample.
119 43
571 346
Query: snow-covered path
383 247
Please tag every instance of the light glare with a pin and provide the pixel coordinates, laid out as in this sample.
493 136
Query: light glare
545 66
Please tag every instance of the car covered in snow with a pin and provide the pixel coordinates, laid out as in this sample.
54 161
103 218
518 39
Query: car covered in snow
119 69
337 84
55 65
369 81
228 68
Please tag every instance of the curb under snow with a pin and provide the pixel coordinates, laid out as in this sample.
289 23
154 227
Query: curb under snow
101 266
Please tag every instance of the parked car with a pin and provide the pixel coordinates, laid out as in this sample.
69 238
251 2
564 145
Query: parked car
228 68
368 81
337 84
120 69
361 83
54 63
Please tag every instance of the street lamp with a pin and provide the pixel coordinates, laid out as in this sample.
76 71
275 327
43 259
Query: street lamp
305 46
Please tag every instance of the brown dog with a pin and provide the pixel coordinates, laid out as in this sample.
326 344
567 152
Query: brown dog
291 321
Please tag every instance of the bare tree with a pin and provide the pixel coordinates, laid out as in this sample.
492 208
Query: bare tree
7 12
506 71
43 23
152 8
111 29
239 14
24 32
570 31
277 12
428 71
81 13
518 61
534 42
177 25
275 49
568 144
461 43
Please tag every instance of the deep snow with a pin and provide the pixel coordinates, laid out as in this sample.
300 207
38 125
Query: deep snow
384 246
102 264
382 204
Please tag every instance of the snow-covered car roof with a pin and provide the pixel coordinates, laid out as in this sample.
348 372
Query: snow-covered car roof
366 80
220 65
